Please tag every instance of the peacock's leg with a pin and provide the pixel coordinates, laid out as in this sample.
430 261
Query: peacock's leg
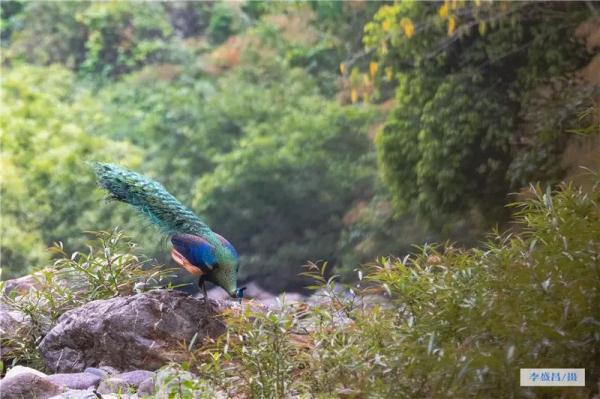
202 285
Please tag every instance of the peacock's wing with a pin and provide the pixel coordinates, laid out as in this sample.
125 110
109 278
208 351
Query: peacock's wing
196 250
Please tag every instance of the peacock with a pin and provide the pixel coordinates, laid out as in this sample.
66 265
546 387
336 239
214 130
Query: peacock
196 248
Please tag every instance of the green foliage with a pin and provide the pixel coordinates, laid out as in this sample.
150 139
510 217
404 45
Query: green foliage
110 268
220 25
549 119
45 33
104 39
455 323
48 190
122 36
9 17
438 154
450 143
175 381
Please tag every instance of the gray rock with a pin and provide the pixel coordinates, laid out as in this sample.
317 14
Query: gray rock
23 370
110 370
113 385
96 371
76 394
22 285
14 327
136 377
143 331
87 394
28 385
146 388
75 380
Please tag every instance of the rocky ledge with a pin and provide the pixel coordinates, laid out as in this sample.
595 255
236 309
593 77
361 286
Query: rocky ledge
145 331
113 346
105 382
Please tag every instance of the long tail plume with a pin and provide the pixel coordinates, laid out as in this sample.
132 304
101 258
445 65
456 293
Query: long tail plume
150 198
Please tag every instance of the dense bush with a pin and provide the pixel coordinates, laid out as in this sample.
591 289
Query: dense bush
455 323
465 75
46 187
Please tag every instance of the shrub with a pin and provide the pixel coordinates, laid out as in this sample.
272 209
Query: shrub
478 113
455 323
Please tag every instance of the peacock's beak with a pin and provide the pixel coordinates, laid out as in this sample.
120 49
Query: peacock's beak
238 293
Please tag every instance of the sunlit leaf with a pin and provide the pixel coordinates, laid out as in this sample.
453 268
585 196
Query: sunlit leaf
451 25
386 25
373 69
443 10
389 73
408 27
482 28
354 95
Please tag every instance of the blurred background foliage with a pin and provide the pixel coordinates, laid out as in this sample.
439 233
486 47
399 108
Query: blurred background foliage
302 131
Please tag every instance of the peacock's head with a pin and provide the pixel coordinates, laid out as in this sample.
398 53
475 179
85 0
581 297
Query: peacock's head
238 293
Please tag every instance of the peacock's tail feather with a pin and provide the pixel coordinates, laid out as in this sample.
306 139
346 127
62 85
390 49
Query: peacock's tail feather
150 198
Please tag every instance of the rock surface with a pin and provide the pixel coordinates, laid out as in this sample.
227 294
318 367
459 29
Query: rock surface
146 388
89 394
75 380
96 371
112 385
27 385
76 394
23 370
23 285
136 377
14 325
143 331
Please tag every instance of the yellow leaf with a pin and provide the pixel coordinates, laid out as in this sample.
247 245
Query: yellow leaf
443 10
343 68
387 24
354 96
477 3
482 28
366 79
389 73
408 27
451 25
384 48
373 69
366 98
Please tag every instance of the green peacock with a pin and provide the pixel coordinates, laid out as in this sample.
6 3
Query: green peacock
196 248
